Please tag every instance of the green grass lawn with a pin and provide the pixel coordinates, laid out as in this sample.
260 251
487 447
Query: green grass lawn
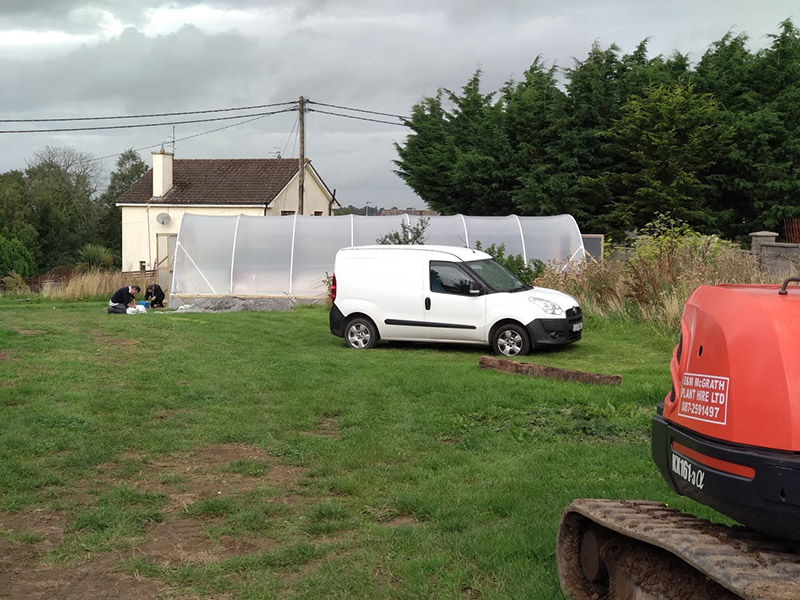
253 455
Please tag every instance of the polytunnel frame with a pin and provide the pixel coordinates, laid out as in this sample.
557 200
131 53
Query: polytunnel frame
179 247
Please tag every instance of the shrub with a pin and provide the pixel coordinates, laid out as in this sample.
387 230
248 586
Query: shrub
408 234
515 263
668 261
16 258
14 284
94 257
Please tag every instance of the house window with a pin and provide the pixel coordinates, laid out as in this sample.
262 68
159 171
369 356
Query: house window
286 213
317 213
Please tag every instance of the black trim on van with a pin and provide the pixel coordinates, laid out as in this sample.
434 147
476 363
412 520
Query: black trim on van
428 324
555 332
336 321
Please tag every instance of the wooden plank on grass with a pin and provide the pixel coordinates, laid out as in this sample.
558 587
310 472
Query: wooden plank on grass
532 370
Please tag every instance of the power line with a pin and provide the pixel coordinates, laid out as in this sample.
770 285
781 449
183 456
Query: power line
139 125
189 137
289 139
172 114
372 112
350 117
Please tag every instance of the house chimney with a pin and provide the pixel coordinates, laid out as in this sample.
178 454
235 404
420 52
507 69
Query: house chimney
162 173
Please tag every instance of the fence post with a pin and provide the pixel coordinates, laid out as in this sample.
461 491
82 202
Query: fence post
143 275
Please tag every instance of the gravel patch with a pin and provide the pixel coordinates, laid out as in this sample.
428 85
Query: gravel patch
232 304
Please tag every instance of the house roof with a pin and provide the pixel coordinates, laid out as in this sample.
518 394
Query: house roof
234 181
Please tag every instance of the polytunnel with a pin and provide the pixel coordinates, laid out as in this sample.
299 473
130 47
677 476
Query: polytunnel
250 256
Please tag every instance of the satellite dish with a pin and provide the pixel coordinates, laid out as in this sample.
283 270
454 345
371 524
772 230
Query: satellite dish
163 218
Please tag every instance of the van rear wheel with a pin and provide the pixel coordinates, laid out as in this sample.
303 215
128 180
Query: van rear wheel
361 334
511 339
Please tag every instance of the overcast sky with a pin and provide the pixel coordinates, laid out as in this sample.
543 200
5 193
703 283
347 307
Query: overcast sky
85 58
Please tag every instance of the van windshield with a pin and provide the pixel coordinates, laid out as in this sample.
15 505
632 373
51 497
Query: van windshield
496 276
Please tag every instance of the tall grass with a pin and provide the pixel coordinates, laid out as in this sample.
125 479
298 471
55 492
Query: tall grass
92 284
652 284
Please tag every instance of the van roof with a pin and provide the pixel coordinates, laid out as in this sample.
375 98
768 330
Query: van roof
459 252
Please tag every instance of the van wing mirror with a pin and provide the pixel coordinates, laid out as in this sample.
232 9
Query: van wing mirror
476 289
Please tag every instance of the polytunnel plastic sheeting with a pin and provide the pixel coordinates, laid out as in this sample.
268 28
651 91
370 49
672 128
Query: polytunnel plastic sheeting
481 229
552 238
263 256
279 256
204 252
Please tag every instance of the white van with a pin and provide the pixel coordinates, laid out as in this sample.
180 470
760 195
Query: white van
444 294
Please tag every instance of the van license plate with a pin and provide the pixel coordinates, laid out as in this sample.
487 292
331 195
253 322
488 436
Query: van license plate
577 327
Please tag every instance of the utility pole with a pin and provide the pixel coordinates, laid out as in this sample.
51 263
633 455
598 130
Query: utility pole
301 177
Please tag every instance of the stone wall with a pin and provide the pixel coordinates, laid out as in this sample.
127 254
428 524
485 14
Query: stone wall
778 258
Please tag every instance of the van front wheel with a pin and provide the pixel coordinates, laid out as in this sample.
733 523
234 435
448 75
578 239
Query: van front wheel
511 340
361 334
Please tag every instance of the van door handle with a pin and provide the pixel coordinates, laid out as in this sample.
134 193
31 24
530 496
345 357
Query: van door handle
427 303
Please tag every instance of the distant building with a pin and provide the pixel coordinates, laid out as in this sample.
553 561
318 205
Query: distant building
153 207
420 212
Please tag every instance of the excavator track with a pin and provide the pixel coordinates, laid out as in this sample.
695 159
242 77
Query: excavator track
638 550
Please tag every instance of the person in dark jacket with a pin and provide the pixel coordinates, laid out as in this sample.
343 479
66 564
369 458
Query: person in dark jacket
155 295
122 299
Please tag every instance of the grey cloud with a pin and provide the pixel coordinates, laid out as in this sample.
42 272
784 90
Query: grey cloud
134 73
381 55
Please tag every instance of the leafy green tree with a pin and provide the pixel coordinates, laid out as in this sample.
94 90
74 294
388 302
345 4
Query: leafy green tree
450 159
16 258
663 147
16 212
626 135
60 187
758 180
129 169
408 234
598 87
485 156
534 120
770 134
515 263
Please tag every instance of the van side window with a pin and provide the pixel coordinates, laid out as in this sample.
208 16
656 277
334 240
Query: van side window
449 278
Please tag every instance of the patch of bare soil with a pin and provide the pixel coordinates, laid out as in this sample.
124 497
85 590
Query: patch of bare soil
106 340
5 355
183 541
205 473
27 538
22 331
326 426
98 579
401 520
113 349
24 575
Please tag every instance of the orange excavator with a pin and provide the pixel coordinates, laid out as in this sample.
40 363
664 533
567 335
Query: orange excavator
726 435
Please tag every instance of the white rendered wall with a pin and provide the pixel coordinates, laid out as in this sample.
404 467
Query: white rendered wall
139 228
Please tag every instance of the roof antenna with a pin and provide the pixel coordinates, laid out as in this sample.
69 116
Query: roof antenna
173 139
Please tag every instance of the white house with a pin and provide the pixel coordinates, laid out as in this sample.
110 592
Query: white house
153 207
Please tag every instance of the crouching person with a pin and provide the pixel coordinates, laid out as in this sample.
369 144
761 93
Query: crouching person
155 295
124 300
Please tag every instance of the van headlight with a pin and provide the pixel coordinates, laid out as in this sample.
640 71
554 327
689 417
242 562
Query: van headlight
551 308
